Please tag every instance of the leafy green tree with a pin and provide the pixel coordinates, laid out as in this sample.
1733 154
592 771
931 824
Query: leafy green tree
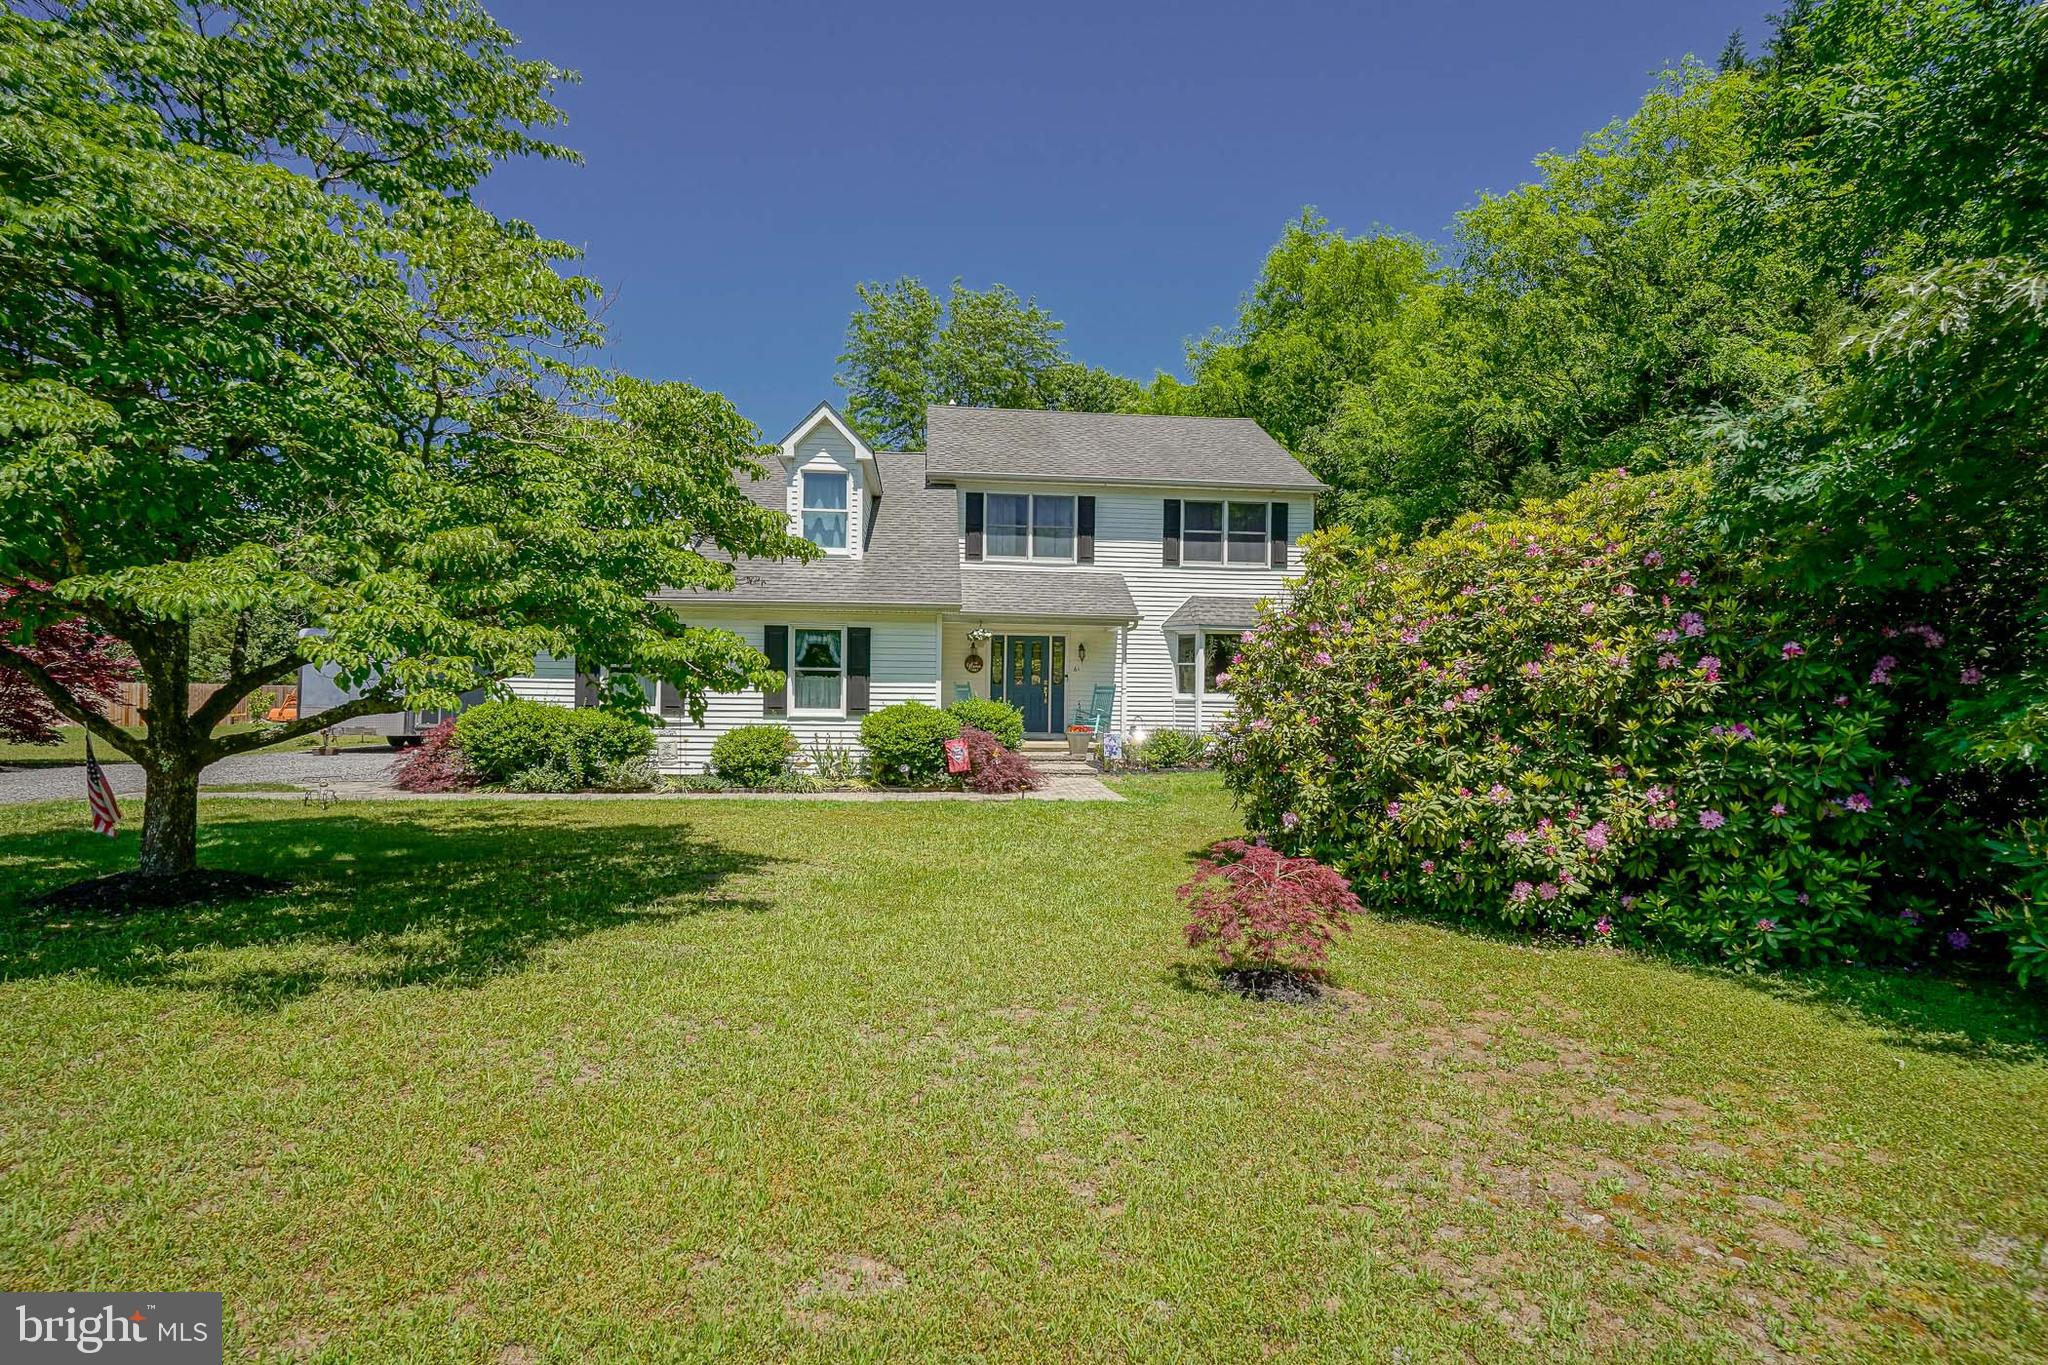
988 348
262 351
1317 321
1901 150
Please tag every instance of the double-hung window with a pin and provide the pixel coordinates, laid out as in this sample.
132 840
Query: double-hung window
824 508
1224 533
1211 652
1030 526
817 672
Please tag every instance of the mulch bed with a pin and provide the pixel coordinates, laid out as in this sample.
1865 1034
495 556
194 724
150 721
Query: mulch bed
124 893
1277 986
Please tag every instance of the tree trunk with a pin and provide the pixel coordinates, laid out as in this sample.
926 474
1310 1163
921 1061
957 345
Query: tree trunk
170 821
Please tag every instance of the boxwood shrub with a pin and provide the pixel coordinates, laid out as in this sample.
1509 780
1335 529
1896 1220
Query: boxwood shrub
753 755
906 744
562 749
998 718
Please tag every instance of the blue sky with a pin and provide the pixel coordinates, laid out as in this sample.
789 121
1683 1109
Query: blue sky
1128 164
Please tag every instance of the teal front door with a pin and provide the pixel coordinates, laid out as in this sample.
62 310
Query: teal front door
1035 681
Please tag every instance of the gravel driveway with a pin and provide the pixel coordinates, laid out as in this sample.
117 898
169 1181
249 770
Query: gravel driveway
300 767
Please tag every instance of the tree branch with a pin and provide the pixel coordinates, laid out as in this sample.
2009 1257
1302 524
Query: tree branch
128 742
262 739
221 704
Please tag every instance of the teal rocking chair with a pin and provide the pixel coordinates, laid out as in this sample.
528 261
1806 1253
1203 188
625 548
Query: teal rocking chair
1101 709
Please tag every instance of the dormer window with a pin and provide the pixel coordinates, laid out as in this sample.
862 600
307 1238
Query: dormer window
824 509
1027 526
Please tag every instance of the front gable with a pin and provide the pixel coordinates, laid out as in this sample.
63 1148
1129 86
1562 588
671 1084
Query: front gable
837 505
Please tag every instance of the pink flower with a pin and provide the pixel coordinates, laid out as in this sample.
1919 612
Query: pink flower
1667 660
1532 670
1518 837
1712 819
1603 926
1792 649
1842 699
1710 666
1958 940
1595 837
1692 623
1545 891
1521 892
1687 578
1778 809
1289 820
1429 865
1497 794
1247 638
1858 801
1766 926
1624 590
1321 660
1470 694
1653 560
1587 608
1972 675
1450 703
1393 810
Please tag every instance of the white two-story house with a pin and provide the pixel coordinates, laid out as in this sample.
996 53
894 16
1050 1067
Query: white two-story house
1072 564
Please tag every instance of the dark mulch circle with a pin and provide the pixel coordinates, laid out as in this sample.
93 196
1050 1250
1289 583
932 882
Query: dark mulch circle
124 893
1272 984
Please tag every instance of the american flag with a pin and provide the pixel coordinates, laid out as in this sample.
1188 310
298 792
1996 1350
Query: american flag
99 794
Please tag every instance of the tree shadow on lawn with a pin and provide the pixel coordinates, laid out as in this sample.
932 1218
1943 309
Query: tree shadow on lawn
375 903
1980 1017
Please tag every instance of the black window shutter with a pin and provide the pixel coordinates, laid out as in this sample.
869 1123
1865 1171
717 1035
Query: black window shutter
974 515
775 644
1169 543
857 653
1084 530
1276 537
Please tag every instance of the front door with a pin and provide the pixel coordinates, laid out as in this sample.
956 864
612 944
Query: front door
1034 681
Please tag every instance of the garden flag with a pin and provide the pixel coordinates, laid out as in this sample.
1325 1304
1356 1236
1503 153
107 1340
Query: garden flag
99 794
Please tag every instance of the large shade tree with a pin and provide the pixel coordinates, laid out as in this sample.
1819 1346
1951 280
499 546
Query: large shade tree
263 352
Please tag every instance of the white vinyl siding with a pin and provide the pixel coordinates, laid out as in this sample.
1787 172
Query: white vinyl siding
902 666
824 450
552 681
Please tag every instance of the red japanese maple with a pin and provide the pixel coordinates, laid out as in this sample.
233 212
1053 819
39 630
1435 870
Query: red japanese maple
77 656
1263 910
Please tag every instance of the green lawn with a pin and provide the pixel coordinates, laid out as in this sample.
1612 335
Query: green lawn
936 1081
70 748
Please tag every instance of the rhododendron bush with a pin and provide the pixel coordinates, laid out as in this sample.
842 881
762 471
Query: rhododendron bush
1579 716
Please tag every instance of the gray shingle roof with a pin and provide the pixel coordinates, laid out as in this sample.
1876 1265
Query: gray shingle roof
1215 613
911 558
1066 594
1095 447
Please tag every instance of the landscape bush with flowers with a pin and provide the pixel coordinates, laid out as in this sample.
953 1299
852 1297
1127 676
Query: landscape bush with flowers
1583 716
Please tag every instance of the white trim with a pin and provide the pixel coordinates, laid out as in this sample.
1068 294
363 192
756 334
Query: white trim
1201 636
831 469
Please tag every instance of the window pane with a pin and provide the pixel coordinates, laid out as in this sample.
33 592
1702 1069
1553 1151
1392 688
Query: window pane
817 649
1052 528
1248 516
1201 516
826 530
1248 549
1184 679
1009 525
826 491
1221 647
1207 549
817 691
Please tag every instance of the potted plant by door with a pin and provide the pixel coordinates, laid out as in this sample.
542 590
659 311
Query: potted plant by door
1079 740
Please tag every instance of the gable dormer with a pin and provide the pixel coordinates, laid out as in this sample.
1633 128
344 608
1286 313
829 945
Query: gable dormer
832 482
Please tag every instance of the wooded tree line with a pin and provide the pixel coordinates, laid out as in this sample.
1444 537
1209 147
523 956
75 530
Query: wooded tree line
1820 271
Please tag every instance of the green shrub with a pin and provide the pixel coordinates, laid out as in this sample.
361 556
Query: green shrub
793 782
998 718
1581 715
551 776
500 739
753 755
625 775
1171 749
906 744
833 761
698 782
608 739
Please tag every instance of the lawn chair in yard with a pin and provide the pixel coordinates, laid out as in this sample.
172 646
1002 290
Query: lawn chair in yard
1100 708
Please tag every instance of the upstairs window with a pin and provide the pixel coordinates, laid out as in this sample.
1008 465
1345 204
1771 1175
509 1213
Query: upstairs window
824 509
1224 533
1030 526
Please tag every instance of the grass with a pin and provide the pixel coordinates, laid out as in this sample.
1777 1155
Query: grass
806 1081
69 750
